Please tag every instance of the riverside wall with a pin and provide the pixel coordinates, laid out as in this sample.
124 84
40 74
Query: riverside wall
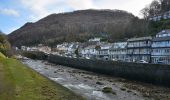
150 73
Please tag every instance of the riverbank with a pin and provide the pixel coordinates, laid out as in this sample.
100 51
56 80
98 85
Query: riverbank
90 84
18 82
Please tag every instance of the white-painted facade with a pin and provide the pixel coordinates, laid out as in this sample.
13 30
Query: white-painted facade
104 51
165 15
89 51
139 49
118 51
161 48
95 40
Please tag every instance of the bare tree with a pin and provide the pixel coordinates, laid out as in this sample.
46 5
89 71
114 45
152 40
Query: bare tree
145 12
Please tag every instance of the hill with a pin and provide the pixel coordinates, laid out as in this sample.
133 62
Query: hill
78 26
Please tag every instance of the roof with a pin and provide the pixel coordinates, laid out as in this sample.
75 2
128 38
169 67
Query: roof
140 39
90 47
119 45
164 32
105 46
161 39
86 44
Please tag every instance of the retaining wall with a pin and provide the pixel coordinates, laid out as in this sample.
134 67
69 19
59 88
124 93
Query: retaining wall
151 73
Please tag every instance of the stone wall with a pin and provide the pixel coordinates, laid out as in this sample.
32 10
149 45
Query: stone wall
150 73
34 55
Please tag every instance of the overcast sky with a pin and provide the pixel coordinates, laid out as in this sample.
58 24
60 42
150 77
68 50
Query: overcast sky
15 13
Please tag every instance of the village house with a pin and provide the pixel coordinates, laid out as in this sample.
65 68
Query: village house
165 15
118 51
44 49
72 48
89 52
88 49
95 40
103 51
66 49
139 49
32 49
24 48
161 47
62 48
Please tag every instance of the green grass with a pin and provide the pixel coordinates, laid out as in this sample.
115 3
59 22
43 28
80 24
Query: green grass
2 55
18 82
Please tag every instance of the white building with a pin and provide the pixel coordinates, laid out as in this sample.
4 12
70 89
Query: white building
118 51
165 15
95 40
24 48
44 49
72 48
104 51
139 49
62 48
161 47
89 51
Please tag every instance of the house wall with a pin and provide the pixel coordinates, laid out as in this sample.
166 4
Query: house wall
118 54
139 50
161 52
161 44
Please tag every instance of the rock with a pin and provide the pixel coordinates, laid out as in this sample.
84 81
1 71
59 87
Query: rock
99 83
108 90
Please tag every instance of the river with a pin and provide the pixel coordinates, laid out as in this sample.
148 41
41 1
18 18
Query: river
90 85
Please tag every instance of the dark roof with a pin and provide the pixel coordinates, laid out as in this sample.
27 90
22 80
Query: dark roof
140 39
162 38
86 44
164 32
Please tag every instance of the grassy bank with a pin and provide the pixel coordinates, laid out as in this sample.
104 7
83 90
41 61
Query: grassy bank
18 82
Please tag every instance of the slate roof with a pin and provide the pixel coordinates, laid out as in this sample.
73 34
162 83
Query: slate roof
164 32
140 39
119 45
161 39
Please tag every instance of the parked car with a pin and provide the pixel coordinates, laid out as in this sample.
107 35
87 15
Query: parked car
160 62
87 58
142 61
114 60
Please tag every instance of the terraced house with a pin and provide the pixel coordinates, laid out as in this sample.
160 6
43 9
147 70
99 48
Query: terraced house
104 51
139 49
161 47
118 51
158 17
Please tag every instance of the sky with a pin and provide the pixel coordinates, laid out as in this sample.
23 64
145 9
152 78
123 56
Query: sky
15 13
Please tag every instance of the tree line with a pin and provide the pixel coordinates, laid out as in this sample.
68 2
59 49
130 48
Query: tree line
155 8
5 46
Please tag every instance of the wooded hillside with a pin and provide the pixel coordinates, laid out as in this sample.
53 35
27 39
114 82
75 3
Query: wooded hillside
79 26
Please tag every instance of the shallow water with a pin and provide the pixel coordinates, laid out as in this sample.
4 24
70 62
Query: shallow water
83 82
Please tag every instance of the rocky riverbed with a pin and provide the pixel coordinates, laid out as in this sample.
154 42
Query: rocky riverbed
90 85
